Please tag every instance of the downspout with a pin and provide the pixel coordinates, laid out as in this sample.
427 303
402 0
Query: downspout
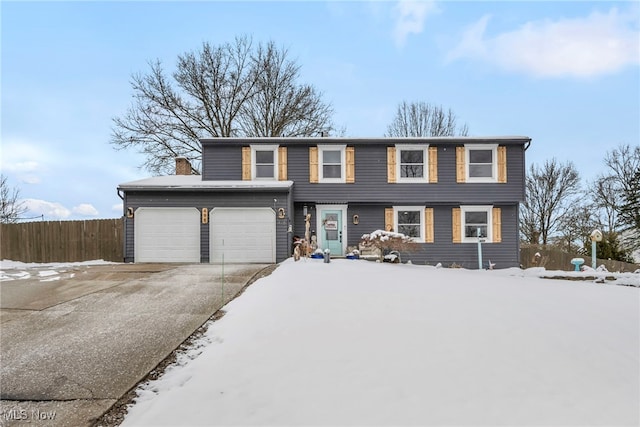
124 223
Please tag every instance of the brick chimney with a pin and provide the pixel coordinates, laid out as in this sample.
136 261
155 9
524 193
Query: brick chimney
183 167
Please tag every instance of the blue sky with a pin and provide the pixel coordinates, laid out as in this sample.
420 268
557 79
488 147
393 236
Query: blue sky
567 74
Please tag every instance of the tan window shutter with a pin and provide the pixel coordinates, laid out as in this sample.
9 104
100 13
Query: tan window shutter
350 153
282 163
246 163
391 164
428 225
388 219
313 164
457 225
433 164
460 166
497 225
502 164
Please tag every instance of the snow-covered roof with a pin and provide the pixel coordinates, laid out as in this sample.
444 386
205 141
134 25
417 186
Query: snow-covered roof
195 182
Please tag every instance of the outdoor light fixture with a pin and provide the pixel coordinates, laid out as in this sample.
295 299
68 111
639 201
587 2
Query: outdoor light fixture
356 219
281 213
304 211
205 215
129 212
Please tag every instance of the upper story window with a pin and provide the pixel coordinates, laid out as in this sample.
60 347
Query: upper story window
264 161
476 222
332 163
411 162
481 163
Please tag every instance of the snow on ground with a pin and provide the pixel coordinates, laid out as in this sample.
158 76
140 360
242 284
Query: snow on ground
363 343
16 270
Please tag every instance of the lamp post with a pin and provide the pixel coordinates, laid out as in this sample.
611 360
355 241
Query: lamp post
596 236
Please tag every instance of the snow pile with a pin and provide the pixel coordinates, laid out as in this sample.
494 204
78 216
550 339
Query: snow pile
46 272
362 343
383 235
586 274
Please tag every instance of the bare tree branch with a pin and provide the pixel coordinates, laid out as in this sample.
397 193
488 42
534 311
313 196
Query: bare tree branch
550 193
234 89
421 119
11 208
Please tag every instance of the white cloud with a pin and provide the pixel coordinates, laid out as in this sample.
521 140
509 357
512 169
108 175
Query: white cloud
85 209
410 17
50 210
26 166
29 179
601 43
117 207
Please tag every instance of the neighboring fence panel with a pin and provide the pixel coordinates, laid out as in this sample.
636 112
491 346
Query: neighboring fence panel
63 241
554 259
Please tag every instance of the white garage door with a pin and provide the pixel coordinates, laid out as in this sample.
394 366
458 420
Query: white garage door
167 235
243 235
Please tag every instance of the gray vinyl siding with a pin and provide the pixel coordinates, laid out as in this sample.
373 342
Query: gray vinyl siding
443 250
371 181
221 162
209 200
224 162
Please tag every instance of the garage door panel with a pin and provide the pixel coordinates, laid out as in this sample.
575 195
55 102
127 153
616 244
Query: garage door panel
167 235
242 235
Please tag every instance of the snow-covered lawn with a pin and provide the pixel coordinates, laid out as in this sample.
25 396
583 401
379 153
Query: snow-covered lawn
361 343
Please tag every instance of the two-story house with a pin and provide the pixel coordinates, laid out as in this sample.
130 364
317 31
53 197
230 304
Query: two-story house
253 194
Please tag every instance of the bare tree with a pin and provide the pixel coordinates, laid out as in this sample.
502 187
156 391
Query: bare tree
211 94
606 201
550 193
576 226
11 208
281 106
422 119
624 172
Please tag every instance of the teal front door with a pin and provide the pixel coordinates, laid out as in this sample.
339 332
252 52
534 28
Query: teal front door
332 231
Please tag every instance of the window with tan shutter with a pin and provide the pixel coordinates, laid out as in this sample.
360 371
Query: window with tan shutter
456 229
313 165
351 165
282 163
246 163
460 164
502 164
391 165
428 225
388 219
433 165
497 225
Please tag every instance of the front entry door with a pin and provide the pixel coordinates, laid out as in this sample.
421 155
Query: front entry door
332 231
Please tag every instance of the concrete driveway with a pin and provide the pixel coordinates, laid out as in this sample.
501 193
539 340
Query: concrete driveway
71 348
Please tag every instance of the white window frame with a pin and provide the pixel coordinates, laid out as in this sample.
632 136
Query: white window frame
420 209
343 166
273 148
494 164
463 223
425 165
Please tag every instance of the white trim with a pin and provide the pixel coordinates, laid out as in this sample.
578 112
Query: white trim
343 166
476 208
320 239
494 162
425 165
420 209
272 147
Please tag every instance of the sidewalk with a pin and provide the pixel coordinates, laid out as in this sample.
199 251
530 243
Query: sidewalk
71 349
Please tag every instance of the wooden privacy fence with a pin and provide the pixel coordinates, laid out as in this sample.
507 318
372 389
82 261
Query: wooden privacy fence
555 259
63 241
